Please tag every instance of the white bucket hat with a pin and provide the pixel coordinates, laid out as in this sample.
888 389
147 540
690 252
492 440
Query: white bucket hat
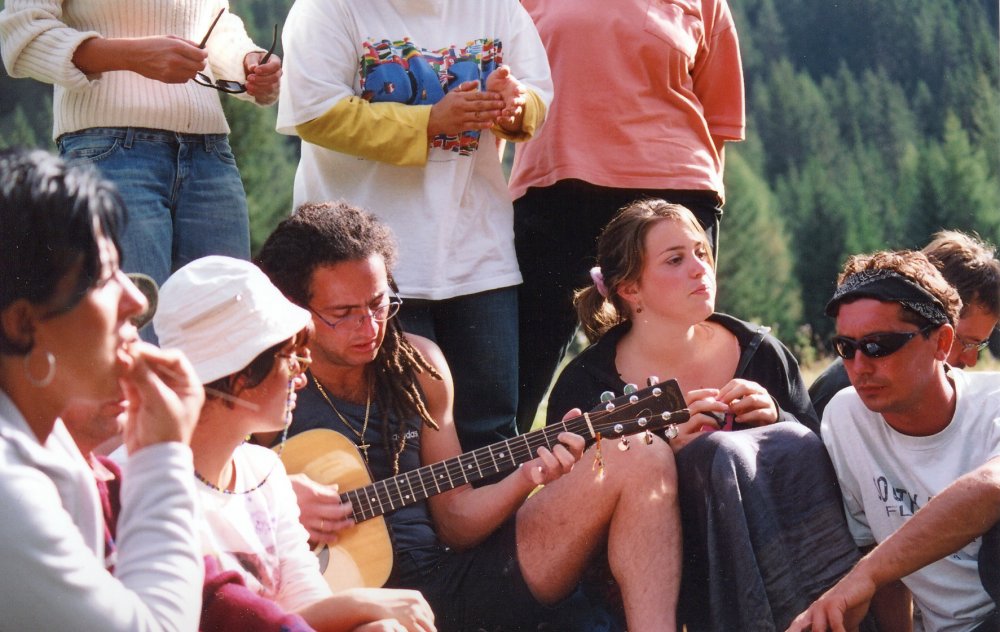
222 313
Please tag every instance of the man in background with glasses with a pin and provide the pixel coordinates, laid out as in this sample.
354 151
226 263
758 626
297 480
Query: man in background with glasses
970 265
910 426
138 96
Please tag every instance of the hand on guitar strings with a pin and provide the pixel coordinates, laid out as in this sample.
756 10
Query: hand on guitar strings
323 515
551 464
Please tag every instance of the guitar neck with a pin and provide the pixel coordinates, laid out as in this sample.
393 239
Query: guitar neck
410 487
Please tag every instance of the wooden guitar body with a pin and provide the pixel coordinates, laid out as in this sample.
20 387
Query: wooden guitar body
362 556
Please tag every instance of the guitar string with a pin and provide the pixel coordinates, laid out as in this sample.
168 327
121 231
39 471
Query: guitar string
456 468
461 467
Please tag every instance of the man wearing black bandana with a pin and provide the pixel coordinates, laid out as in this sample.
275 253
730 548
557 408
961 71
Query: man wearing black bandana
908 428
970 265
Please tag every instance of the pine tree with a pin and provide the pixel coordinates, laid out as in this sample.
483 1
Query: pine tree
957 190
18 131
755 274
267 165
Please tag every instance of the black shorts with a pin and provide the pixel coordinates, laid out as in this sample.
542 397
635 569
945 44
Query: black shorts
482 589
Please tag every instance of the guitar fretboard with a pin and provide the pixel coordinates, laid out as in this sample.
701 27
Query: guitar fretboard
405 489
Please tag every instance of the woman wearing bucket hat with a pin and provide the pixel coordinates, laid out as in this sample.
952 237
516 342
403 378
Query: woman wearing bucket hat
246 342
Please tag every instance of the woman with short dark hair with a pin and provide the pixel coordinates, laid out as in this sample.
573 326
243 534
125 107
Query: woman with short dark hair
65 334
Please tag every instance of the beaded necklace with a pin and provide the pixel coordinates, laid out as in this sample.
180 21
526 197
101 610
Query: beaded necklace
281 446
362 444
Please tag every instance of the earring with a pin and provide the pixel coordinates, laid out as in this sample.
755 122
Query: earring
638 308
50 372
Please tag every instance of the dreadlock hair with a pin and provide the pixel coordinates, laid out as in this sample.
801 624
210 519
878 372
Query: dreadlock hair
329 233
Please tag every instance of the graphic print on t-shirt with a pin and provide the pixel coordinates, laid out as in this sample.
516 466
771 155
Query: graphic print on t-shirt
400 72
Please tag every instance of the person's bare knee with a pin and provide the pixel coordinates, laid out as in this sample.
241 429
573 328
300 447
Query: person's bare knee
642 464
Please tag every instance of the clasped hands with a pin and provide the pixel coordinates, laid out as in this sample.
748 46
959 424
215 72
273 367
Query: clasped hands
466 107
742 401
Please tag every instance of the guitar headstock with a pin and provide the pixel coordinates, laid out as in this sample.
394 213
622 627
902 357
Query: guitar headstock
658 406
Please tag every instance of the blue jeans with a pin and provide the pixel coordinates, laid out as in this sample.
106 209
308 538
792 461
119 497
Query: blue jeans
478 335
183 192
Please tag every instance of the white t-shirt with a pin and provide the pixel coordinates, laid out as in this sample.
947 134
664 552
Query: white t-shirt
258 534
886 476
452 216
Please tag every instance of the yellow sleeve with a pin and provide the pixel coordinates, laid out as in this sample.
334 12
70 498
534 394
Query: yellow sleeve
394 133
534 114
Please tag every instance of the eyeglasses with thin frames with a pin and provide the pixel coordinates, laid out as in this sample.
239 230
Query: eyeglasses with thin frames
297 364
226 85
380 314
969 346
876 345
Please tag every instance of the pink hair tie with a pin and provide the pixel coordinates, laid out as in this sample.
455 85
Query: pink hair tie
598 278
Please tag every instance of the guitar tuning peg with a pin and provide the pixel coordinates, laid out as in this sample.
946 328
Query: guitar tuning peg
647 438
652 380
630 388
623 445
633 399
607 396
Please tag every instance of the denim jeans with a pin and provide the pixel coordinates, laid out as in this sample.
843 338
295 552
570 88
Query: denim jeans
183 192
478 335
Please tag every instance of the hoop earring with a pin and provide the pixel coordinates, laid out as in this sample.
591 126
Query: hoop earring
50 372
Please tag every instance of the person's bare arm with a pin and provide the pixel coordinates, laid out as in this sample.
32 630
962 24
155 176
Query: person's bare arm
349 609
465 516
168 59
929 536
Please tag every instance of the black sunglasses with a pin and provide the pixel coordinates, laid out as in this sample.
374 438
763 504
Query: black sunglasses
875 345
226 85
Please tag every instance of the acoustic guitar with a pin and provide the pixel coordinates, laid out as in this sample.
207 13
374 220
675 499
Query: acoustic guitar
362 555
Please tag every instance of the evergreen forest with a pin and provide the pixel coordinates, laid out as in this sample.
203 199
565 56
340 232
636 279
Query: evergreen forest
870 124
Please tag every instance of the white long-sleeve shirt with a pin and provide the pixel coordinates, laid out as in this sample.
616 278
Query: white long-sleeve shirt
39 37
52 537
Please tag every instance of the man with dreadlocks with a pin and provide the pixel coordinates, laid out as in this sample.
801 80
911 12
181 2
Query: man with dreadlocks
483 557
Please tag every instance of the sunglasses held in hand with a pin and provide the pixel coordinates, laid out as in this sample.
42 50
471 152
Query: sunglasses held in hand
226 85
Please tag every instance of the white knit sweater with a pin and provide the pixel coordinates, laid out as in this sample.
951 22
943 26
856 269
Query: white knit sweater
38 39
